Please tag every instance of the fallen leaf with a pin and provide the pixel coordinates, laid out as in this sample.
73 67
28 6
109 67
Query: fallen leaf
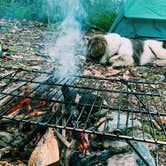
164 120
36 67
87 72
126 75
112 72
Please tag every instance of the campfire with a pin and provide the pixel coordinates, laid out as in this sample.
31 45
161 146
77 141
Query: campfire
73 120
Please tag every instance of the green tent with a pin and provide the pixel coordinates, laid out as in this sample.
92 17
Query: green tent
141 19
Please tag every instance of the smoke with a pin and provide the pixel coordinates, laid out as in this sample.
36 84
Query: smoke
63 49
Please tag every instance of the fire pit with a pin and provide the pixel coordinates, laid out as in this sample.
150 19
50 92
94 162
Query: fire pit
84 108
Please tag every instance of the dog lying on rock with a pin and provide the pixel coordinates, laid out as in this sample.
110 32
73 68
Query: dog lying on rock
120 51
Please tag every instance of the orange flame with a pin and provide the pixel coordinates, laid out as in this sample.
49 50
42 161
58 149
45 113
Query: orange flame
19 105
83 146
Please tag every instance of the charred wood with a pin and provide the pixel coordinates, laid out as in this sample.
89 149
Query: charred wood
81 102
79 159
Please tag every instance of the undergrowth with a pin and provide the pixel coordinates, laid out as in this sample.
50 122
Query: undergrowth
100 13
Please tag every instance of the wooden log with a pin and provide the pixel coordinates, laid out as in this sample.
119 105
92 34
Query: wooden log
46 151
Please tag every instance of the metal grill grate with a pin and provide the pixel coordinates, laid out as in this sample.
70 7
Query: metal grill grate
83 103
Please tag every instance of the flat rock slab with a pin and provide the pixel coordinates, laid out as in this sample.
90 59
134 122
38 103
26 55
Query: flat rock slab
112 124
126 159
116 147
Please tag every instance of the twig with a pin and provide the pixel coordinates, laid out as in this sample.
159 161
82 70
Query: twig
156 124
63 140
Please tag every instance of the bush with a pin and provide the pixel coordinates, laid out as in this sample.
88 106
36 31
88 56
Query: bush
99 13
17 10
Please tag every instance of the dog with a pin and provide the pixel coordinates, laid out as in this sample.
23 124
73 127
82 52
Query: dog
121 51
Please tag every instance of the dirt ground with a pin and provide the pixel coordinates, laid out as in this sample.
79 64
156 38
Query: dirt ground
24 46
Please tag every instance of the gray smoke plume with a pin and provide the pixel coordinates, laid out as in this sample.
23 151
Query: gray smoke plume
63 49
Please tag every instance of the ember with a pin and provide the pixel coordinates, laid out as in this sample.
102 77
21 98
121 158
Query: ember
20 105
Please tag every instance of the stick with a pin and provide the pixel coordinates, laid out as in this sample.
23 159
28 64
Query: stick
63 140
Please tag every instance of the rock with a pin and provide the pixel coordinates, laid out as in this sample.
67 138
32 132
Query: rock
144 151
143 69
5 48
125 159
112 124
0 49
162 77
5 139
139 134
116 147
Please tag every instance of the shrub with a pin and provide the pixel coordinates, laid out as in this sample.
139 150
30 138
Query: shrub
17 10
99 13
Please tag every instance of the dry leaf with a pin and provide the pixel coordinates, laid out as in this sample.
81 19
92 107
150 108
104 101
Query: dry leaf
126 75
112 72
87 72
36 67
164 120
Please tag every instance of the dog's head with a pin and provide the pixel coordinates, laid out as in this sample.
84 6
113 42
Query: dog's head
96 48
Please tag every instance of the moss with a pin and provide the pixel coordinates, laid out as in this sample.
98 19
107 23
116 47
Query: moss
147 128
155 77
160 135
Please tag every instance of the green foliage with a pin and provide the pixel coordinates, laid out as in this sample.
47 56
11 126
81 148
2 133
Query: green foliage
103 22
147 128
100 13
17 10
160 135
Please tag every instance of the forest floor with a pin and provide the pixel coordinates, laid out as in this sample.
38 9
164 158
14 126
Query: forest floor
24 47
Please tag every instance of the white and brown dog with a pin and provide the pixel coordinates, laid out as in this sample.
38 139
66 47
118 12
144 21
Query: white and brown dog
120 51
